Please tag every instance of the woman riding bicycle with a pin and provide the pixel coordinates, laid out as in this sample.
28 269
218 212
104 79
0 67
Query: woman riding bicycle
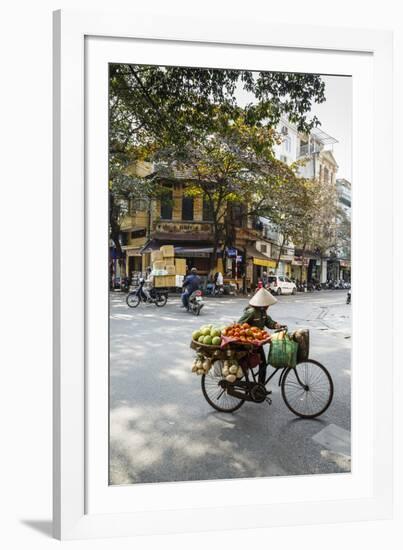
256 315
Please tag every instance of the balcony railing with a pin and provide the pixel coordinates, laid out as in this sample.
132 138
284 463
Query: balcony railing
308 149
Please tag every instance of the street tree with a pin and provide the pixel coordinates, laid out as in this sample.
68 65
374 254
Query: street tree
168 104
234 164
185 114
323 227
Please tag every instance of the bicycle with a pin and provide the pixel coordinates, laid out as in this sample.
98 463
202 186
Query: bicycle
307 389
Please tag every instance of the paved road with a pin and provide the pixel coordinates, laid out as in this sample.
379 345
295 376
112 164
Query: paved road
162 429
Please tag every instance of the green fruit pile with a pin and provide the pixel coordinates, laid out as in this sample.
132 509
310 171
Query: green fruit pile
208 334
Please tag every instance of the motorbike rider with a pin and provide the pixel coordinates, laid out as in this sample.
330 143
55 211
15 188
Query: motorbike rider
190 285
148 281
218 281
256 315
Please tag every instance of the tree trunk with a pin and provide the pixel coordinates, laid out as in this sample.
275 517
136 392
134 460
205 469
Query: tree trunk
280 253
302 263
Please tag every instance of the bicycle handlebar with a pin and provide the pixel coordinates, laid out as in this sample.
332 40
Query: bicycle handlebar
281 329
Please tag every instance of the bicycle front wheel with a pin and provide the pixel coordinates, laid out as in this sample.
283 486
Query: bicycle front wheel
307 389
215 395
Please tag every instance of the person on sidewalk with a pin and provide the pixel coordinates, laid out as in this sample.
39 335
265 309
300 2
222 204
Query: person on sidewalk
256 316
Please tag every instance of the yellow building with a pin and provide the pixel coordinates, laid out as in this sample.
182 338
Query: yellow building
176 219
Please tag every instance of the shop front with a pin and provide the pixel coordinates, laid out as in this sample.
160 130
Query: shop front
260 264
345 270
196 254
133 260
333 270
299 268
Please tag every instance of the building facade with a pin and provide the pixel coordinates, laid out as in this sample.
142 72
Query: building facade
340 266
253 245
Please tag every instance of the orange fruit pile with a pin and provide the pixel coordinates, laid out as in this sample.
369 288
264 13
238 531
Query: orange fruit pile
245 333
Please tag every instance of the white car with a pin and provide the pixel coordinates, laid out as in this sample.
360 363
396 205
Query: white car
280 284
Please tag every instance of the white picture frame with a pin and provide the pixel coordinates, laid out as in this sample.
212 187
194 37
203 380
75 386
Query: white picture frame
84 505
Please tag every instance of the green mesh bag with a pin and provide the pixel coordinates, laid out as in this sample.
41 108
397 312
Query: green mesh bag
283 353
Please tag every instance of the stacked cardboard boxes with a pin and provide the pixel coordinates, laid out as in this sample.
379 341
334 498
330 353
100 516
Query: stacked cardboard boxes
180 266
168 271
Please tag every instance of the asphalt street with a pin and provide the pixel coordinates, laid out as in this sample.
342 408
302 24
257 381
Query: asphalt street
161 427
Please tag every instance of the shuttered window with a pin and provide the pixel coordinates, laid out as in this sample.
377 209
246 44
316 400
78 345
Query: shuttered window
187 208
166 205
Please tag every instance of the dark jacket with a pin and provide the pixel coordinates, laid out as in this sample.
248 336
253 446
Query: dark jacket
191 283
257 317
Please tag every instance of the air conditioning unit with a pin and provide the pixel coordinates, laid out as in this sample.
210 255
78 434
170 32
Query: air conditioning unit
284 131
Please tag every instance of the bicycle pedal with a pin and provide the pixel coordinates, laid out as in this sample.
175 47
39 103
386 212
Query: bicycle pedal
268 400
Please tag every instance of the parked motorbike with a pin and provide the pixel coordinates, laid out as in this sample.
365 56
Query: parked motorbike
195 303
125 286
217 290
152 296
342 285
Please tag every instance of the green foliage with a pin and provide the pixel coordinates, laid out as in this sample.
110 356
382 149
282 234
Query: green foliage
172 104
188 123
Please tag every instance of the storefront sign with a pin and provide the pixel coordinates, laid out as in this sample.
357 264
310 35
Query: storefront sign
174 227
298 260
265 263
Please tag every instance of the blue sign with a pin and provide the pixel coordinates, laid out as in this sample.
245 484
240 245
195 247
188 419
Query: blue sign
231 252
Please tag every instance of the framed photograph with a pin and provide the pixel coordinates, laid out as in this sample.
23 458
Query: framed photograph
219 187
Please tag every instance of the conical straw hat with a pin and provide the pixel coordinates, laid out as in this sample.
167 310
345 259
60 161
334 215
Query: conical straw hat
262 298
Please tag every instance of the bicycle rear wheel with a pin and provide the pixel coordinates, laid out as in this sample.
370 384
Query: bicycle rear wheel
215 395
307 389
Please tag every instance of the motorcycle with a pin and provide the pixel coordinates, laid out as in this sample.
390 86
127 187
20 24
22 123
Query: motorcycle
153 296
310 286
217 290
125 286
195 303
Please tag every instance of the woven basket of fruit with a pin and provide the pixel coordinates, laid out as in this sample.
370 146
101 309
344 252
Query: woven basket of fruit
244 336
207 341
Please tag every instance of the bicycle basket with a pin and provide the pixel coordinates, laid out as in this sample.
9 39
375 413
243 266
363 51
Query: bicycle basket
283 353
301 336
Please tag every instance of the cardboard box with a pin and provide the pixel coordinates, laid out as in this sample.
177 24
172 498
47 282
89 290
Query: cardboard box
169 261
164 281
180 266
159 264
167 251
170 269
156 255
